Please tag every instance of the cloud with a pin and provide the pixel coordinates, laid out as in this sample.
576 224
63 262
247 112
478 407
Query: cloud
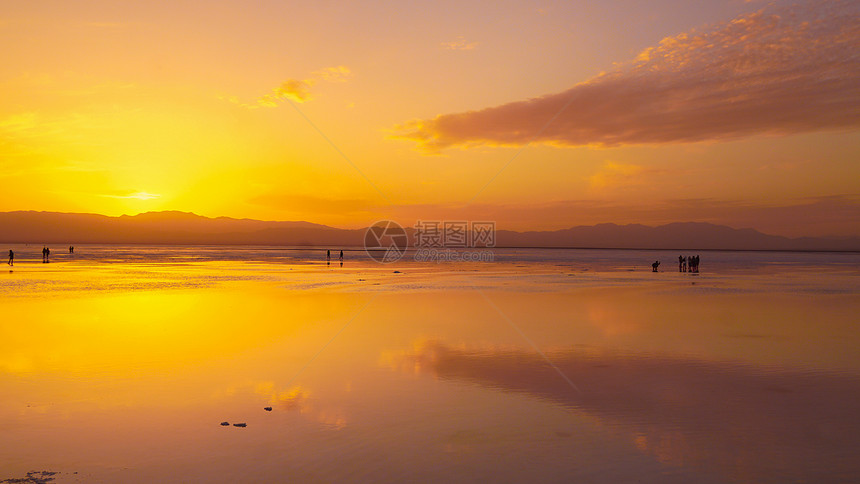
293 89
296 90
334 74
613 174
776 71
18 122
459 44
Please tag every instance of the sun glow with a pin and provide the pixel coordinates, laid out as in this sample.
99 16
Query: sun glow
138 196
100 118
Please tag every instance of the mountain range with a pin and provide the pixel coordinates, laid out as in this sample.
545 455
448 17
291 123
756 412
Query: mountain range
182 228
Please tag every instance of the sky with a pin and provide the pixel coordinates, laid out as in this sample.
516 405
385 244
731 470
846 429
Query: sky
535 115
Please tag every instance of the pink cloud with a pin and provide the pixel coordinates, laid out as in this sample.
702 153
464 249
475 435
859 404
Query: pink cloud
775 71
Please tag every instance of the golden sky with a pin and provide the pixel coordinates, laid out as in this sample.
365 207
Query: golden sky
538 115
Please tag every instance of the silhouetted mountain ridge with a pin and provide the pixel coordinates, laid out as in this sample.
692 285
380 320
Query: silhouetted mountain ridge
174 227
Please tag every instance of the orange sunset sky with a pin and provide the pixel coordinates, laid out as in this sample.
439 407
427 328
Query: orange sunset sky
538 115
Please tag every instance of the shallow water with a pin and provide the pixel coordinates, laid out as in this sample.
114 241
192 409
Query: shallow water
118 364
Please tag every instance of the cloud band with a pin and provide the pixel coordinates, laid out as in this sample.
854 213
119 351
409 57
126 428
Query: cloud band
779 70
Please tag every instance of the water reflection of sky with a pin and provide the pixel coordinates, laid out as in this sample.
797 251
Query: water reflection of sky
740 420
733 379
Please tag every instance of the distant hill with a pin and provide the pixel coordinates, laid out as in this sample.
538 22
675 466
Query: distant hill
188 228
680 235
164 228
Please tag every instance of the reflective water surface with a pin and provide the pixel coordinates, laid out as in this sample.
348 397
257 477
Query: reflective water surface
119 364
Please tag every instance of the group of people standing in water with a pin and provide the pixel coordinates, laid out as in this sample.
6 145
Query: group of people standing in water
685 264
688 264
46 255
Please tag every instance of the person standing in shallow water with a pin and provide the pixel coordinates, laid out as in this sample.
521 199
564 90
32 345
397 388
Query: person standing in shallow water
11 258
655 265
328 256
47 254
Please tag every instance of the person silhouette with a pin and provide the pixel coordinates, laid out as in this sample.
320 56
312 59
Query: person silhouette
11 258
327 257
681 264
71 249
43 253
655 265
341 256
47 254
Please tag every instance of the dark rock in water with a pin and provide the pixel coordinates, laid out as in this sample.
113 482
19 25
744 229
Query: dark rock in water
33 477
397 272
224 424
268 409
240 425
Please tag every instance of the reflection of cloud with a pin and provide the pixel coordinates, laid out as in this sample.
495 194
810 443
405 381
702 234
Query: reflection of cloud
16 363
297 399
459 44
291 399
780 70
726 417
